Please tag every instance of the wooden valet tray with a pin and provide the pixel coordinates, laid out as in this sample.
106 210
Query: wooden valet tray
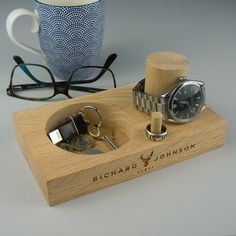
64 175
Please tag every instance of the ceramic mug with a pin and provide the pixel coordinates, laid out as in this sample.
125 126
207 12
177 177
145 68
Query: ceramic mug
70 33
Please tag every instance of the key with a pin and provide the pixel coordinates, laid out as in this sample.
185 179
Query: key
107 139
103 133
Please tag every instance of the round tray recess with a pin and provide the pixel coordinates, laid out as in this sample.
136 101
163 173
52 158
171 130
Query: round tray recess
112 116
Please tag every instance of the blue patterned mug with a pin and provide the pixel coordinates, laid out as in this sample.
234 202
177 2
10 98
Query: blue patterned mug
70 33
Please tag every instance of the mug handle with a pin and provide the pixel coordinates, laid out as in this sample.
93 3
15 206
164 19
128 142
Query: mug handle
35 28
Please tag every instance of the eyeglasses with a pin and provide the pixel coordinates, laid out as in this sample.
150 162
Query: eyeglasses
36 82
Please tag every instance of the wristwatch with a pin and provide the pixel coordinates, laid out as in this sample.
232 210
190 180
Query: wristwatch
181 104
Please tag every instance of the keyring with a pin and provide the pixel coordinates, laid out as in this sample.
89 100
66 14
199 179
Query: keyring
94 109
91 128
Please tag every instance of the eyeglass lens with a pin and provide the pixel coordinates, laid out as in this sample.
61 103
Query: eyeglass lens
35 81
32 81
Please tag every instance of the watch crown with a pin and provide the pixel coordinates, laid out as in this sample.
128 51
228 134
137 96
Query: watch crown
182 78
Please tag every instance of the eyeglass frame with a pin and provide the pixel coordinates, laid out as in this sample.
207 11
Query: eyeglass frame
59 87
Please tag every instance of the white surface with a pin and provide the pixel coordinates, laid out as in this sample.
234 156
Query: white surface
195 197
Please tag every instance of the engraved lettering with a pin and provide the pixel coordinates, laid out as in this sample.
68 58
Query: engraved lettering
145 160
168 154
95 179
162 156
106 175
120 171
186 148
175 152
134 166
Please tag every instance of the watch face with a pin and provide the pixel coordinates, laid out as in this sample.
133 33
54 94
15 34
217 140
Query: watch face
186 102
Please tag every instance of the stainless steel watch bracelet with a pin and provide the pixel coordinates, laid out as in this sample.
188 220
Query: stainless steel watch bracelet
147 103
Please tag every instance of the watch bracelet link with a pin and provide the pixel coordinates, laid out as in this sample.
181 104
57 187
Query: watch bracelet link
147 103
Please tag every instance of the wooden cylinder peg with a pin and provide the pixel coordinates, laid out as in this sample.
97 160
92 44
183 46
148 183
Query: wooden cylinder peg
156 122
163 70
156 131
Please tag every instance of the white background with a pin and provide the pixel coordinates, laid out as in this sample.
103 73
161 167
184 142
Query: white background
195 197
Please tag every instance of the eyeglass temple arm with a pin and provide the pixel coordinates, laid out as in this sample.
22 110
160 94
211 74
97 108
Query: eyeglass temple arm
77 88
107 64
19 61
87 89
109 61
22 87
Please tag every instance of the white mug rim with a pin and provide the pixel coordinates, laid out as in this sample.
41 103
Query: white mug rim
48 2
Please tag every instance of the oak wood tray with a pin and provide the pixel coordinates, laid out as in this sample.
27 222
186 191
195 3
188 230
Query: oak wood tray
63 175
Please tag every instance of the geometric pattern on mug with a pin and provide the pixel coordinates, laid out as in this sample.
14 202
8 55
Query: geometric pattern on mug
71 36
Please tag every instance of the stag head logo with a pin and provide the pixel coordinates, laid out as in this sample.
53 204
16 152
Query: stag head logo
146 159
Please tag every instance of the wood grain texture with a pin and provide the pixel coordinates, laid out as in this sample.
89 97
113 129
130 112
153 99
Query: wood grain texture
63 175
163 70
156 122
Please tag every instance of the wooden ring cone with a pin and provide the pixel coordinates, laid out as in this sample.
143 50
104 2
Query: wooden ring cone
156 131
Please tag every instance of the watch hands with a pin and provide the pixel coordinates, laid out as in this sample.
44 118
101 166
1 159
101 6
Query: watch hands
189 107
